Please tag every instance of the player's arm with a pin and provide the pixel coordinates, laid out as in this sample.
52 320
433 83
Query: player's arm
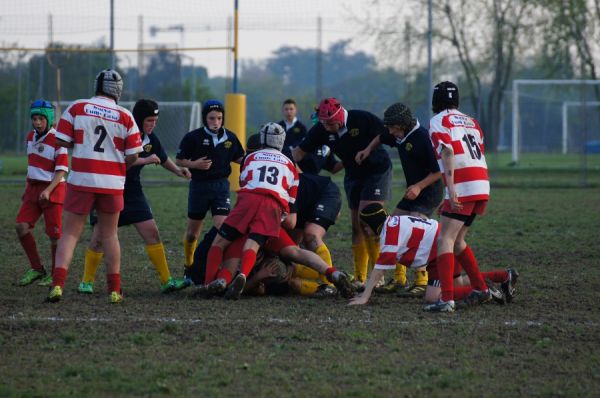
56 179
298 154
178 171
362 155
64 144
447 156
374 278
130 159
152 159
414 190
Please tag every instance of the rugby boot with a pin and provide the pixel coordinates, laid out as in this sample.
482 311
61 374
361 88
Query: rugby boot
235 289
476 297
392 286
115 297
508 286
85 288
324 290
55 294
173 284
45 281
341 280
440 306
413 291
31 276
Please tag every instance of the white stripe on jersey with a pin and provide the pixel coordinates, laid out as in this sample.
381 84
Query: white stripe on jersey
45 148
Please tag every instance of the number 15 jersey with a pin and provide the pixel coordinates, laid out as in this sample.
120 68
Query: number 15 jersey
270 172
103 133
461 133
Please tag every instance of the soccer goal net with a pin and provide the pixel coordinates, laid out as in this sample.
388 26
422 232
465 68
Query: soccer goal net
555 116
175 120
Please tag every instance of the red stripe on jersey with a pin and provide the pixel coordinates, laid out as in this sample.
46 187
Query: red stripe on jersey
65 127
470 174
30 136
98 166
457 148
78 136
133 141
62 160
41 162
387 258
119 143
414 241
437 137
293 192
391 235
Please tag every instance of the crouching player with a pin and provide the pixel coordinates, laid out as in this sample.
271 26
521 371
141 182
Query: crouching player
47 164
412 241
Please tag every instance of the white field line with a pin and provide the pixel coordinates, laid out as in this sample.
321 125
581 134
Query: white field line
443 319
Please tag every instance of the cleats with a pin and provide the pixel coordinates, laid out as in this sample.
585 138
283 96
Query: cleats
86 288
476 297
115 297
440 306
392 286
31 276
323 291
235 289
55 294
508 286
341 280
173 284
46 281
414 291
358 286
214 288
497 294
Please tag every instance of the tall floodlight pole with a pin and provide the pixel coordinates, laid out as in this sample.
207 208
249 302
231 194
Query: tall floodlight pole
112 33
235 46
429 56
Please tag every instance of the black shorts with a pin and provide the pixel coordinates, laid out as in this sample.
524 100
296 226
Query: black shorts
427 202
136 208
205 195
326 210
376 187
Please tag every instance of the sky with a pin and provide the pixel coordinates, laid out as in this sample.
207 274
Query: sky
264 26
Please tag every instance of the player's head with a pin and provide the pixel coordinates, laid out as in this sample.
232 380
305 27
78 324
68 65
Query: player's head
253 143
290 109
272 135
44 109
213 115
109 83
331 114
145 112
399 119
373 215
445 96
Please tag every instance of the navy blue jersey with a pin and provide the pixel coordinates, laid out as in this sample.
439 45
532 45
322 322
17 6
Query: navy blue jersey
151 146
222 149
309 192
293 136
361 128
321 159
416 154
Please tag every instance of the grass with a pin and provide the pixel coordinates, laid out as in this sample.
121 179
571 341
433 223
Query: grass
546 343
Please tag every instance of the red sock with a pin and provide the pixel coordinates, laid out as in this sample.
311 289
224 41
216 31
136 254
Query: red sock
53 248
445 267
469 263
225 274
213 261
496 276
248 261
28 243
113 282
460 292
59 276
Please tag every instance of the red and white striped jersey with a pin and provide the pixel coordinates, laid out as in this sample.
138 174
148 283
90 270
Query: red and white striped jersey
407 240
103 133
453 129
270 172
44 157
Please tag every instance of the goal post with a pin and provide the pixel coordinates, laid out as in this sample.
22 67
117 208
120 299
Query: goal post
520 83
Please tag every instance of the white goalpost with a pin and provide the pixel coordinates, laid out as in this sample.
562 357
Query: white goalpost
517 83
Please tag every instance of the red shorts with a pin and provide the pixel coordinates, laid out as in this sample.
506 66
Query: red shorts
256 213
275 245
31 209
473 207
81 202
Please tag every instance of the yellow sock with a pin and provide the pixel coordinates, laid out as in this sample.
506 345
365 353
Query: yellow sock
373 249
400 274
156 253
421 278
308 287
302 271
91 264
361 260
323 252
188 251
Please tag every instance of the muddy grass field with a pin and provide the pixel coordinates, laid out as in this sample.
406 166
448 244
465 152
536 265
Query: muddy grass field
546 343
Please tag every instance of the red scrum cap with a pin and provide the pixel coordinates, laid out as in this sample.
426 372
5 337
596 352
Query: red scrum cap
330 109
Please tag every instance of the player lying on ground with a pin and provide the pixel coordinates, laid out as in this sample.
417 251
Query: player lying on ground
412 241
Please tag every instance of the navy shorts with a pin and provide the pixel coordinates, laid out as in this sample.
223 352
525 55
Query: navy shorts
325 211
136 208
205 195
427 202
376 187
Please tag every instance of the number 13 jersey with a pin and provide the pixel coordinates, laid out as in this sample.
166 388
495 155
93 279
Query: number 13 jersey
461 133
103 133
270 172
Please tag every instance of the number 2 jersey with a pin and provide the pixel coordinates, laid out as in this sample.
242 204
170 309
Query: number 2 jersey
407 240
453 129
103 133
270 172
